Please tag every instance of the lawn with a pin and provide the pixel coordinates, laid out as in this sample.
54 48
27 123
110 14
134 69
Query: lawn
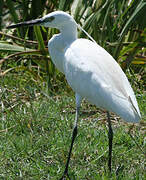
35 135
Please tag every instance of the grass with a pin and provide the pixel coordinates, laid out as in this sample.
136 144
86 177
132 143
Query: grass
35 134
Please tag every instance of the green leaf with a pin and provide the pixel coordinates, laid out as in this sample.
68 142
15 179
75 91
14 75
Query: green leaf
141 9
12 10
40 39
10 47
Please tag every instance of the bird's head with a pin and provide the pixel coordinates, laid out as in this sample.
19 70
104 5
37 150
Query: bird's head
57 19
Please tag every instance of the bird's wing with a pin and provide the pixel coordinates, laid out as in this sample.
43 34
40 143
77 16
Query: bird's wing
91 70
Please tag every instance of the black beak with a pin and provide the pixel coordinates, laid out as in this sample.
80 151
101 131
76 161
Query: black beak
26 23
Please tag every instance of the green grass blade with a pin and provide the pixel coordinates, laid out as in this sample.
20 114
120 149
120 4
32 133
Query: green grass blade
139 12
40 40
9 47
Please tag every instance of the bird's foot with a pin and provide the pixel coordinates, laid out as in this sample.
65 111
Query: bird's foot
119 169
65 176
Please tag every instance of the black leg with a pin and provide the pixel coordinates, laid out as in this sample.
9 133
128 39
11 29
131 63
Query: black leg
110 136
74 134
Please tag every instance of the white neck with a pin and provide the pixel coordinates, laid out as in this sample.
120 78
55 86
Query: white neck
58 44
69 32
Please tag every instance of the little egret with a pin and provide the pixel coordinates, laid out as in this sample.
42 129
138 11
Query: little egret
91 72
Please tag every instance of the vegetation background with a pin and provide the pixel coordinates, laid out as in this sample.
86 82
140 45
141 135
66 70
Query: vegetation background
37 106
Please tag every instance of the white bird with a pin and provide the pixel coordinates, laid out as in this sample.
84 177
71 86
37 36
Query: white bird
91 72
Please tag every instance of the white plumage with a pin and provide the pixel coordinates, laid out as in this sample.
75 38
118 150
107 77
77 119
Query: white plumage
95 75
91 72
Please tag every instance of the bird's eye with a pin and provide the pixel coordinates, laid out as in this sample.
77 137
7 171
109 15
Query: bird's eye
49 19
